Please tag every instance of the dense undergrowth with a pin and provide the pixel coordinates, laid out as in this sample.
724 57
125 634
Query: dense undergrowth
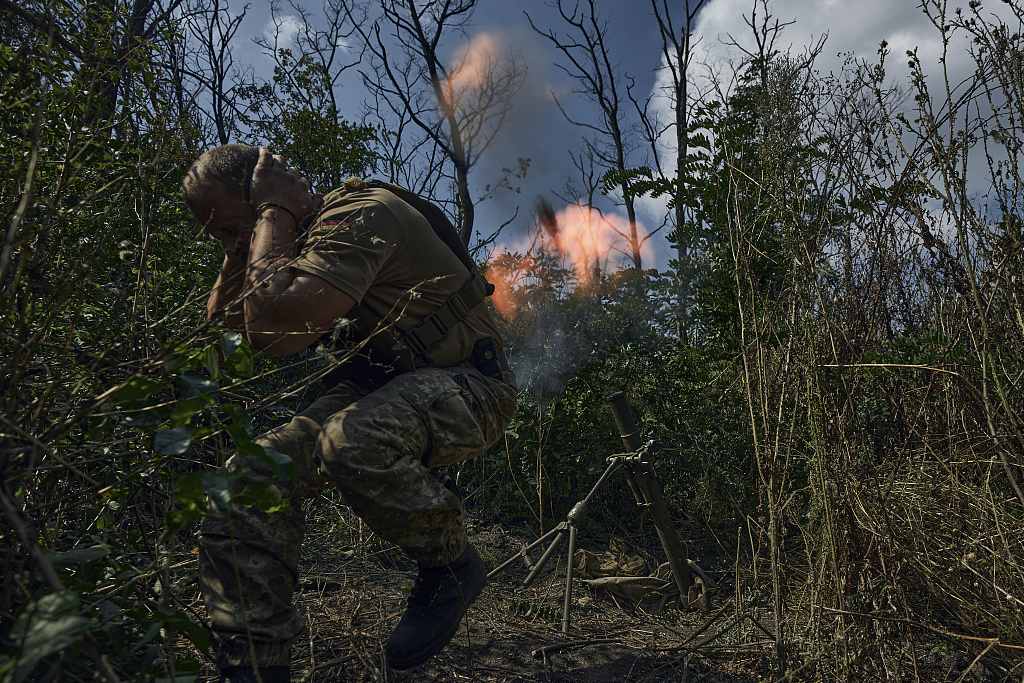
847 393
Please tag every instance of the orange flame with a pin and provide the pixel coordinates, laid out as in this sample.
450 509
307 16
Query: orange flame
505 272
584 238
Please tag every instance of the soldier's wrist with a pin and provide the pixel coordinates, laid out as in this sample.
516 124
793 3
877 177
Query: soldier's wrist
277 208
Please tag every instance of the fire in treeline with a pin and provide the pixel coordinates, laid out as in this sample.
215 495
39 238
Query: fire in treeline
576 251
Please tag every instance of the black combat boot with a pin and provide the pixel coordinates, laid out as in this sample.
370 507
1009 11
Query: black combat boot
245 674
437 602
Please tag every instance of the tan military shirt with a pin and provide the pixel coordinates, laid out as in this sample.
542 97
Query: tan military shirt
384 254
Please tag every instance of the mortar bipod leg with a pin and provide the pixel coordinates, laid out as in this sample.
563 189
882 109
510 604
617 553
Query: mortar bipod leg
555 544
638 495
567 606
522 554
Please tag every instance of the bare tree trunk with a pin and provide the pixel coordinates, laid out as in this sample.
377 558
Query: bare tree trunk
677 52
408 78
590 64
112 48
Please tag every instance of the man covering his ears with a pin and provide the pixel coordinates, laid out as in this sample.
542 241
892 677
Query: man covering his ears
432 388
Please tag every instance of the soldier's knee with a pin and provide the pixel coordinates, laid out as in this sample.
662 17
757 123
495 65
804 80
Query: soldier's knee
354 441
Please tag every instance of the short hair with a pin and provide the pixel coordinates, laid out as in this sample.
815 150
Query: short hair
229 165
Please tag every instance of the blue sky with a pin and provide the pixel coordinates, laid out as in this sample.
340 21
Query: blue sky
537 130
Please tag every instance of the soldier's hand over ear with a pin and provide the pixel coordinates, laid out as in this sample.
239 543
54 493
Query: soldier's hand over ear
275 182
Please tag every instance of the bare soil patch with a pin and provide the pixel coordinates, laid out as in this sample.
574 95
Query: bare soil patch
511 633
354 591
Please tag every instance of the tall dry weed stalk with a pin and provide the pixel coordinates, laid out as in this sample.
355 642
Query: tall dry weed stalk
883 366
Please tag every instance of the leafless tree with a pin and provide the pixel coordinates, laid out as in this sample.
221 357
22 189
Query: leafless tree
326 43
210 63
456 105
677 52
119 32
612 138
413 160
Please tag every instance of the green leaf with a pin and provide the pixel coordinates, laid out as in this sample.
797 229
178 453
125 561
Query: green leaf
240 363
179 360
230 342
184 410
100 428
282 465
173 441
197 635
200 385
218 488
77 556
136 389
267 497
242 436
188 490
186 669
48 626
145 419
239 415
237 355
241 433
211 361
174 521
152 632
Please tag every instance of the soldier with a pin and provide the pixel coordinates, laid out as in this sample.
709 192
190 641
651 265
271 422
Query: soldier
438 392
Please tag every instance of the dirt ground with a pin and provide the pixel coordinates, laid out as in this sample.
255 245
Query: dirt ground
352 599
511 633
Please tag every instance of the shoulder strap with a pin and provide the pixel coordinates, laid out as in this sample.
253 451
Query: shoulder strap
439 222
407 346
435 326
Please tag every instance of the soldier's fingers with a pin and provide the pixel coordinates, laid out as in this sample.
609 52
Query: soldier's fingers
265 159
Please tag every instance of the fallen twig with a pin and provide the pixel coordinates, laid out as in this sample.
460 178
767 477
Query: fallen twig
543 652
976 660
327 665
939 631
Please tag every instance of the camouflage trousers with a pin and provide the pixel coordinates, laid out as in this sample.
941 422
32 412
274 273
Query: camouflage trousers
377 448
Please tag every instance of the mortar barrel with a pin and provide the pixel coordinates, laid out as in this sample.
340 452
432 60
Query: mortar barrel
624 419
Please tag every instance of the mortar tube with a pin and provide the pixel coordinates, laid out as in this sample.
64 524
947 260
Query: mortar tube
647 482
667 533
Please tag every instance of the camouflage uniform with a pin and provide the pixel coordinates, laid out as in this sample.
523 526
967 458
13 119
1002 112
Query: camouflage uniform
376 447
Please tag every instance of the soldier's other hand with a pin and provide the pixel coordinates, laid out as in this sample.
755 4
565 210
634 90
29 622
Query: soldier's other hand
275 182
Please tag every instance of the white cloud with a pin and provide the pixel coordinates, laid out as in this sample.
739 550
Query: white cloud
854 28
287 28
852 25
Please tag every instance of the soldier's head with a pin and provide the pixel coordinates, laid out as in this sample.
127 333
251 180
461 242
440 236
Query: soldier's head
216 187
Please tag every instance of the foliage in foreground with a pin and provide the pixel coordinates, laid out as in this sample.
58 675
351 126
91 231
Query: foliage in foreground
848 395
